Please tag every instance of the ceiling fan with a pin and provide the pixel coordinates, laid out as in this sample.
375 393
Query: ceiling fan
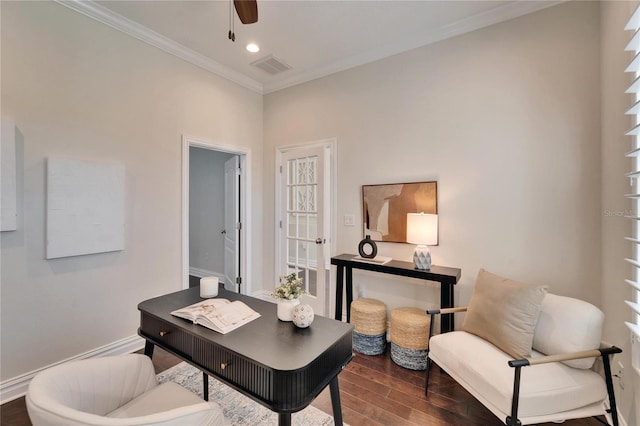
247 11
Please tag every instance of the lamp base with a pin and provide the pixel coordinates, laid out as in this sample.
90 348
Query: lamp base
422 257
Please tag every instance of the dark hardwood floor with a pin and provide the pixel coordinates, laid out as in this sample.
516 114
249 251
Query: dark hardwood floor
374 391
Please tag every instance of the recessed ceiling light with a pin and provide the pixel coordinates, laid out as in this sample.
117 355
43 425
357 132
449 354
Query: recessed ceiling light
253 48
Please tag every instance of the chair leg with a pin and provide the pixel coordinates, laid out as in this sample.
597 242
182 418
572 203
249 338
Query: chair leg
205 386
512 420
432 319
613 410
426 383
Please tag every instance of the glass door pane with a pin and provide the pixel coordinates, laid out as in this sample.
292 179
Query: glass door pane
302 218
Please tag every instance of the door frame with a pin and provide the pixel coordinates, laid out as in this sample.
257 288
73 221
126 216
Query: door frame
330 208
245 206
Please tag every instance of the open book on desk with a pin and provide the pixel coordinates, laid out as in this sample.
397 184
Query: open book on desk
219 315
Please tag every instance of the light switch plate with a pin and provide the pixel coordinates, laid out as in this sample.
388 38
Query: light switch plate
349 220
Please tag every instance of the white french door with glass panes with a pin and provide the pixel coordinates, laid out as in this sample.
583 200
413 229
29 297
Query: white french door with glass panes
303 221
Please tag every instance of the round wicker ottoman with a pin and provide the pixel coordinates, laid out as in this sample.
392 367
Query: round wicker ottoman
369 318
410 338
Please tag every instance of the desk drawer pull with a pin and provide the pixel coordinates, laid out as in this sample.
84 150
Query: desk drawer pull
163 333
224 365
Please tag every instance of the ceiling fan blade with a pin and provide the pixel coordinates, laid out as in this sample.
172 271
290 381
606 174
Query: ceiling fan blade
247 10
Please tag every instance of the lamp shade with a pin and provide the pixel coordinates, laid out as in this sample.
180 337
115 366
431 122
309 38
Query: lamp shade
422 228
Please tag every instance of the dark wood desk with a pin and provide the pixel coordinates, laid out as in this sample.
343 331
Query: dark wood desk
272 362
447 277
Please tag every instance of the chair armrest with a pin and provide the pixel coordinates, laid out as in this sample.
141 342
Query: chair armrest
445 311
517 364
564 357
433 312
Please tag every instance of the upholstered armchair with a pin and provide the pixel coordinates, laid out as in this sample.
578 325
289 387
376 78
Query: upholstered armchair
119 390
527 355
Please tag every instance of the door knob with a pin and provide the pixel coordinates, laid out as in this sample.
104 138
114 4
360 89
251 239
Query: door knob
320 241
224 231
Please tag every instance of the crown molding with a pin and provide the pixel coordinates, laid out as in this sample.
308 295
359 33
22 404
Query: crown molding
103 15
500 14
485 19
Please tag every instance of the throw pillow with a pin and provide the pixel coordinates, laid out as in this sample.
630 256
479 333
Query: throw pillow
504 312
581 328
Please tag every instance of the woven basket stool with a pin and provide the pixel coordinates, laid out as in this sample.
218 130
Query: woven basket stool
369 317
410 338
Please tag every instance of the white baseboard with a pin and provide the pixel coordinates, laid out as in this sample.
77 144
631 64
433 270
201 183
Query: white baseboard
201 273
16 387
263 295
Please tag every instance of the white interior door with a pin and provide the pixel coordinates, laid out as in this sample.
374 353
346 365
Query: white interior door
232 226
303 230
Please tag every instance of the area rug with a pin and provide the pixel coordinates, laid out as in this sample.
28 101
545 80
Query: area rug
238 409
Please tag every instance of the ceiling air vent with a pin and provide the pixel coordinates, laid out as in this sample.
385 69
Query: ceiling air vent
270 64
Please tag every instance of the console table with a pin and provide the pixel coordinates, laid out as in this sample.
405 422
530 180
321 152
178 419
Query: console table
447 277
272 362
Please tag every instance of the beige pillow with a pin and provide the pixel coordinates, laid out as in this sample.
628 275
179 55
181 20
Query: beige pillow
504 312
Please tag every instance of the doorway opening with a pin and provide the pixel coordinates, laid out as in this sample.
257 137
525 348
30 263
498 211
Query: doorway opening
215 223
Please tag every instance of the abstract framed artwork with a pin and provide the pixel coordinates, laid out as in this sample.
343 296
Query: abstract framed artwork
385 208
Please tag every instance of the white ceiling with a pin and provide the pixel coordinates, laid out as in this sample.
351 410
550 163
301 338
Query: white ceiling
315 38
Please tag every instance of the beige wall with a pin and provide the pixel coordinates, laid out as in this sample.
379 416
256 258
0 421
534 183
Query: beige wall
79 88
506 119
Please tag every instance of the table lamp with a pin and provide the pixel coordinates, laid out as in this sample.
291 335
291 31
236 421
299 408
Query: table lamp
422 229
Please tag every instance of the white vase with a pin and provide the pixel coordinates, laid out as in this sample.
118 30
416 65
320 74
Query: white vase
285 309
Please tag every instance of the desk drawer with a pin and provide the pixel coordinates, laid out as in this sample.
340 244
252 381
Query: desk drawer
166 334
233 368
279 390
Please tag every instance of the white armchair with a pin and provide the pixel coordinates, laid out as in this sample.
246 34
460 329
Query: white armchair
119 390
552 380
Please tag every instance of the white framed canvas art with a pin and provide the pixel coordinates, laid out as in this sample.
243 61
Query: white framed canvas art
85 207
8 168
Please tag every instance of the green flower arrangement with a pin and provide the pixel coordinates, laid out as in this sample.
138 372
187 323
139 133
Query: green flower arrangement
290 287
